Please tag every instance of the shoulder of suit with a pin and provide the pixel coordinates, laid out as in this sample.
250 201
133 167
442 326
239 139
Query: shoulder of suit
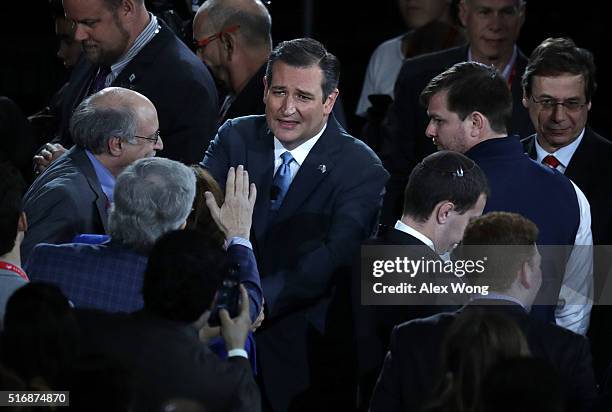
422 325
432 62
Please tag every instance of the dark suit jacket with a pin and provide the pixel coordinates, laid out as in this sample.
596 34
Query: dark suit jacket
404 141
410 369
305 252
178 84
167 360
250 99
64 201
373 323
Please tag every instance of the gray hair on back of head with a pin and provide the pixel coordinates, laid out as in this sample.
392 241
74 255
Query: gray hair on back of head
152 196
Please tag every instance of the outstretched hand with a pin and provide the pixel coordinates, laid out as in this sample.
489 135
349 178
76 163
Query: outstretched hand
234 217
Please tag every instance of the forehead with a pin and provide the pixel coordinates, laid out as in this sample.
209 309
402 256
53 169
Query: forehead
305 78
438 102
493 4
563 86
201 24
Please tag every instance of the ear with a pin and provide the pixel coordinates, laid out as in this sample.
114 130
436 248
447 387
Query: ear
442 211
522 13
328 106
229 43
115 146
127 7
525 99
463 12
22 223
524 275
265 94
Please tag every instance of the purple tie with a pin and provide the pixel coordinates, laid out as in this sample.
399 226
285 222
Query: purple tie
99 81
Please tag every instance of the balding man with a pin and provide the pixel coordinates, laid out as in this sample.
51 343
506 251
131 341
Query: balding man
233 39
111 129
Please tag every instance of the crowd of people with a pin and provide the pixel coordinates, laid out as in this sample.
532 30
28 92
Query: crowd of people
192 227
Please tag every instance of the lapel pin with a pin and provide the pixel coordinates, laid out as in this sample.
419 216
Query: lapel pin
132 77
322 168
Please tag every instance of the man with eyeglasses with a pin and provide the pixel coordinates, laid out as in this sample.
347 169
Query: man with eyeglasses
492 28
126 46
233 38
470 106
559 84
111 129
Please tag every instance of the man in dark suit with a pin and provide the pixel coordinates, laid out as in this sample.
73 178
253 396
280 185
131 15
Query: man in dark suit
559 85
111 129
492 28
126 46
512 274
470 107
165 346
320 194
233 38
444 192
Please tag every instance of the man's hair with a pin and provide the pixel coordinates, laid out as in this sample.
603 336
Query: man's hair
255 28
95 122
506 239
558 56
12 186
443 176
182 275
152 196
474 87
200 217
40 336
304 53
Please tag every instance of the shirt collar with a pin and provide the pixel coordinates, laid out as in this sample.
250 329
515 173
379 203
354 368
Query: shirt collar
499 296
143 38
563 155
105 177
299 153
402 227
508 68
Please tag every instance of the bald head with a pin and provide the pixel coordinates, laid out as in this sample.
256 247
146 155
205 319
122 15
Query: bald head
252 17
112 112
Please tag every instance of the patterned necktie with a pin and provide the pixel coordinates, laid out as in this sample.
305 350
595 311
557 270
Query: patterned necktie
281 182
99 81
551 161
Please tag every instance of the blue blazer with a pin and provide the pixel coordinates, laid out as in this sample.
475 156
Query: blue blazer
305 251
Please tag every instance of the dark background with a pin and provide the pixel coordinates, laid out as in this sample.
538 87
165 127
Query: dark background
30 73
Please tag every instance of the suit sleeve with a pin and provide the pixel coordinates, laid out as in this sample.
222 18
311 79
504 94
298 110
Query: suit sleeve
583 386
249 276
353 219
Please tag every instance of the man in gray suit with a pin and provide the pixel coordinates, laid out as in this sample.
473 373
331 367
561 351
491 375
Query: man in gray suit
111 129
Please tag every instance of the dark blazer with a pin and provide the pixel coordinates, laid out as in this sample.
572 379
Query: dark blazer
64 201
404 141
305 251
178 84
373 323
409 372
167 360
250 99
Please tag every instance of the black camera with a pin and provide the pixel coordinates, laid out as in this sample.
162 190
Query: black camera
228 296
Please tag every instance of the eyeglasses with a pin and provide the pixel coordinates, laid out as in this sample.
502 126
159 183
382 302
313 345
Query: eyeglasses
153 138
201 44
550 104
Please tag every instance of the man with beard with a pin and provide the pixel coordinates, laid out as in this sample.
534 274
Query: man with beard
124 45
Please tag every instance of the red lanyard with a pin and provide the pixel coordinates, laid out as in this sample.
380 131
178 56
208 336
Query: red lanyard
512 76
14 269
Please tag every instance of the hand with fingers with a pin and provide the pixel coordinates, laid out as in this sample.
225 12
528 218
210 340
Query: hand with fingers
234 217
49 153
235 330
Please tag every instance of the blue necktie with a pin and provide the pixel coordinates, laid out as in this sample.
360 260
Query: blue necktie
281 182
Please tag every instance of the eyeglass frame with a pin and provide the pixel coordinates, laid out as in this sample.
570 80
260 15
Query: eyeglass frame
153 138
548 104
201 44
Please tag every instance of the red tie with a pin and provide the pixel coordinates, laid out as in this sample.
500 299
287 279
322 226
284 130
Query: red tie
551 161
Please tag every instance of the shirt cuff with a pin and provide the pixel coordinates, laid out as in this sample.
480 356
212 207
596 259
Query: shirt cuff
237 352
239 241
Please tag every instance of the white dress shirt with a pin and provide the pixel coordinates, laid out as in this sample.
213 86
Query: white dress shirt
299 153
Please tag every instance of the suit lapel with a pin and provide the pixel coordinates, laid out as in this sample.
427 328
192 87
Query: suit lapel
316 167
582 161
260 165
83 163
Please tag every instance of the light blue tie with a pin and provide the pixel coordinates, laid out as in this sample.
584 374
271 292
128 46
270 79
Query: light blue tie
281 182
